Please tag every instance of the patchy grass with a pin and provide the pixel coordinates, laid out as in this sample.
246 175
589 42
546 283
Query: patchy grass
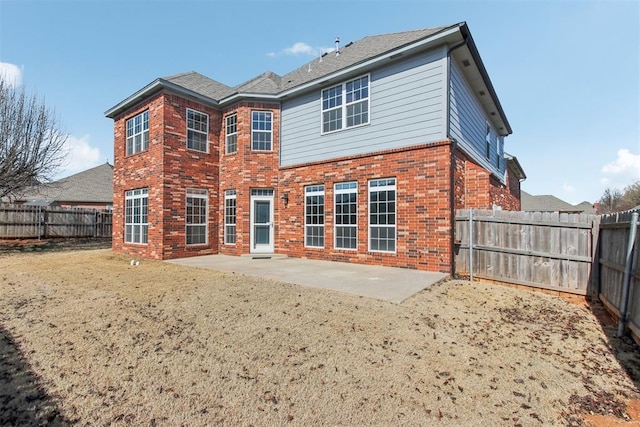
104 342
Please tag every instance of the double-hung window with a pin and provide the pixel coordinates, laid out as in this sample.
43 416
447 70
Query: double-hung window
197 130
138 133
346 215
345 105
261 130
136 211
230 217
314 216
196 217
231 139
382 215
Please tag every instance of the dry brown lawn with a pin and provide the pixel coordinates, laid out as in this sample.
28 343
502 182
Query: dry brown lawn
87 338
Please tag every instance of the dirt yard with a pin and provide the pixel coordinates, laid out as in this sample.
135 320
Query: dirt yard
87 338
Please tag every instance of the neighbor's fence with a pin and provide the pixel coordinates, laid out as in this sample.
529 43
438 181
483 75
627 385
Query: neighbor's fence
619 267
541 249
42 222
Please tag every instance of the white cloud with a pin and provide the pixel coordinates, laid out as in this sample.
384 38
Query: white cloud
301 48
80 156
627 165
11 73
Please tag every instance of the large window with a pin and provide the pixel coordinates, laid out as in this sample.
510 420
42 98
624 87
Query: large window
230 217
136 210
382 215
196 216
231 139
345 105
346 215
197 130
314 216
261 130
138 133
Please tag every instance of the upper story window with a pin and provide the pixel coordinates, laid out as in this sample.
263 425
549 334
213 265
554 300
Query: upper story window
138 133
345 105
197 130
487 141
261 130
231 139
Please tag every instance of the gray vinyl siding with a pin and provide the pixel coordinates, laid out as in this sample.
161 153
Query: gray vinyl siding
467 123
406 107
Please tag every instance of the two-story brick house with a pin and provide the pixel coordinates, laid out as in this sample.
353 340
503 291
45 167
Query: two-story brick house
361 155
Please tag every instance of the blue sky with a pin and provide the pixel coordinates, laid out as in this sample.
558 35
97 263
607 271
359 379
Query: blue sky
567 72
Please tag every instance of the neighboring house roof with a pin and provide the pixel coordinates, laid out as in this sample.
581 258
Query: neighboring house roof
93 185
357 57
549 203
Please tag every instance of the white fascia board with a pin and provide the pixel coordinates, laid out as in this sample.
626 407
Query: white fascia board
422 44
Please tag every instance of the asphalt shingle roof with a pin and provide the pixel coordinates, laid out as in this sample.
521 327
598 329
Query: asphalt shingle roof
270 83
92 185
549 203
201 84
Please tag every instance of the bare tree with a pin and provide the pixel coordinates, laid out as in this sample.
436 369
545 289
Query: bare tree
610 201
32 147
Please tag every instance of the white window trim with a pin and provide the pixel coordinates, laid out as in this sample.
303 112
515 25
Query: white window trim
335 224
270 132
227 135
344 105
314 191
144 146
138 193
230 195
395 225
196 193
206 133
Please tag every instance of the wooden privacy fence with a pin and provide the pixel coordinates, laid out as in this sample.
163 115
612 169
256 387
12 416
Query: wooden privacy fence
581 254
619 268
546 250
43 222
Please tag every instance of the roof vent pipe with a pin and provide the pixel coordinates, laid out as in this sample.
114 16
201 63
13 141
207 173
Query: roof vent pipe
337 46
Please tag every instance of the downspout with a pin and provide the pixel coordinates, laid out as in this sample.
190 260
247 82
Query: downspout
452 163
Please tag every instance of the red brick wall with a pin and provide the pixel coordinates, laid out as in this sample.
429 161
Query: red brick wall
247 169
167 168
477 188
423 209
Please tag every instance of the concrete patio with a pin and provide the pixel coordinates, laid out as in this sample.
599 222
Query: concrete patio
383 283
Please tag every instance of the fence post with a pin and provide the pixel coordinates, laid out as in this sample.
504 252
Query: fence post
471 245
626 283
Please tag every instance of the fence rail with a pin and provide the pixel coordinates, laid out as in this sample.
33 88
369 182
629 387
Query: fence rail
43 222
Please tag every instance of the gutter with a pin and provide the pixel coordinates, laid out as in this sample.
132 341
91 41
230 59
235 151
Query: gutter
452 163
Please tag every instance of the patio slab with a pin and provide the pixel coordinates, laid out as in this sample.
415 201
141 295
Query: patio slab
383 283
